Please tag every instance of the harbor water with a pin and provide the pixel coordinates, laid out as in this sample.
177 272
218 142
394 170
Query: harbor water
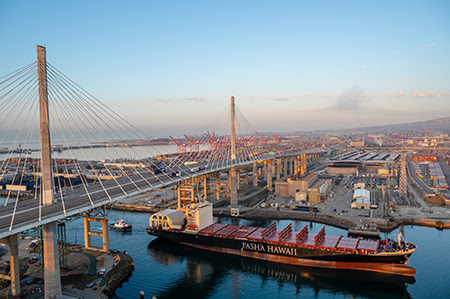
171 271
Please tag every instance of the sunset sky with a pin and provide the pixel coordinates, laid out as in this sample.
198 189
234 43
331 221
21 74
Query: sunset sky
292 65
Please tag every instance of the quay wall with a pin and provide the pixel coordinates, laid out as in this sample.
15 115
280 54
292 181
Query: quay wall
384 225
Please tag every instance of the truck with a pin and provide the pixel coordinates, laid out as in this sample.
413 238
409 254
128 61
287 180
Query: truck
195 169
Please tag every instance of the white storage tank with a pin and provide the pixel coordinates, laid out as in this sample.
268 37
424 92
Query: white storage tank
301 196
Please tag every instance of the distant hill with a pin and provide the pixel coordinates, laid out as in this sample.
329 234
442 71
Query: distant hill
440 125
435 125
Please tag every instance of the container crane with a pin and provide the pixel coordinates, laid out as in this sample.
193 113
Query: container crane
181 147
194 144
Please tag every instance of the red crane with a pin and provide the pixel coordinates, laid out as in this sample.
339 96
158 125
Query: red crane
194 144
181 147
213 142
276 137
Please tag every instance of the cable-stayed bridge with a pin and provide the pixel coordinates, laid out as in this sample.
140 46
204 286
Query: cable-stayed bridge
69 152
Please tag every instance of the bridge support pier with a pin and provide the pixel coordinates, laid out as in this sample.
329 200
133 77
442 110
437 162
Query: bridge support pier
205 188
238 179
246 177
11 241
269 175
52 278
218 187
291 165
285 167
255 174
278 169
296 171
88 233
303 164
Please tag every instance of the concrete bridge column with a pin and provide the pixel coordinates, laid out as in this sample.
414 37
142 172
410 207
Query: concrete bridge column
205 188
273 168
52 277
228 182
255 174
238 178
285 167
265 171
11 241
291 165
278 169
218 187
303 164
88 233
105 235
246 177
269 175
296 166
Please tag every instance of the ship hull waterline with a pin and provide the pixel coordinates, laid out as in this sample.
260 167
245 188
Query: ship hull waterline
389 268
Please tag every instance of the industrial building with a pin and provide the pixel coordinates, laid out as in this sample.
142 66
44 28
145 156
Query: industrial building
361 199
288 187
346 168
306 189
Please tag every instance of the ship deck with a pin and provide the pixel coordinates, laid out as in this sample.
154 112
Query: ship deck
291 238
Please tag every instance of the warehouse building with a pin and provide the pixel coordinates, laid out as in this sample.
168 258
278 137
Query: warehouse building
361 199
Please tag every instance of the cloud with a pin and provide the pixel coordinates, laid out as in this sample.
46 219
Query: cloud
169 100
431 45
320 96
421 94
350 99
281 99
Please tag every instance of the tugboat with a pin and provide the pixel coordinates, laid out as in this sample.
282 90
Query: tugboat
121 225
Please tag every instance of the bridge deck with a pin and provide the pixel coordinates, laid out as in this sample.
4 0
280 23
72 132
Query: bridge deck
27 214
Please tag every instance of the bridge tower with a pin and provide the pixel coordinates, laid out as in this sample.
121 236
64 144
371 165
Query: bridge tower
234 197
52 278
403 187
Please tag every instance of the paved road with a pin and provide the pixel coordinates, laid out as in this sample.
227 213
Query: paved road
445 168
421 183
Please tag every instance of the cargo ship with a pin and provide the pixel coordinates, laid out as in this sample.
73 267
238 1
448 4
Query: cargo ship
194 226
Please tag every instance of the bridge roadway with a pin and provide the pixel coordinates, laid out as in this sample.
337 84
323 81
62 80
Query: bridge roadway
27 213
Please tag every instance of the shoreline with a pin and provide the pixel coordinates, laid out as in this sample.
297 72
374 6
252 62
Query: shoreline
383 224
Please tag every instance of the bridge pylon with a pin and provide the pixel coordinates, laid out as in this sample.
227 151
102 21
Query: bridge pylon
52 278
233 180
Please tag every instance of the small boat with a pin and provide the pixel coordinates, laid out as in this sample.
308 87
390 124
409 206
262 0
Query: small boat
121 225
93 282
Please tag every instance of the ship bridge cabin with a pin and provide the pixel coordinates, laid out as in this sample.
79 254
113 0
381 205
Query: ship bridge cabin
168 219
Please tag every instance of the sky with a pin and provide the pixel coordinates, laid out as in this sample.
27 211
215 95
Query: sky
170 66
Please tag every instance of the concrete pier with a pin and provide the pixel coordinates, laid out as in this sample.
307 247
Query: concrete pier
14 276
88 233
278 169
255 174
285 167
269 175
